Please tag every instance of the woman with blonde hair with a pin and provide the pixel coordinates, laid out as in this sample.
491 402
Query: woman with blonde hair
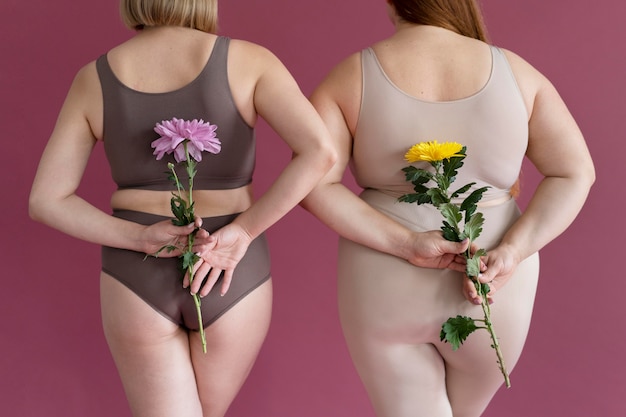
177 67
436 78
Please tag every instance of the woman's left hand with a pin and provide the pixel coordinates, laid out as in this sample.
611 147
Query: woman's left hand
501 263
221 252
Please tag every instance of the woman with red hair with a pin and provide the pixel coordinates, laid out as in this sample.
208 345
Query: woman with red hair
437 78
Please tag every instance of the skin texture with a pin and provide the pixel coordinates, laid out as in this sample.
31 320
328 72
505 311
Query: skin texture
152 354
394 340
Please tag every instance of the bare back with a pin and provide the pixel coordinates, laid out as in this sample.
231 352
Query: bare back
431 63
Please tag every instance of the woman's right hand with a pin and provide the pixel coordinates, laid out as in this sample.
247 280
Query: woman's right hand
160 238
431 250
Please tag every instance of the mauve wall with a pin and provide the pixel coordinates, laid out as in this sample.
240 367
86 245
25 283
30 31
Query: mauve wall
54 361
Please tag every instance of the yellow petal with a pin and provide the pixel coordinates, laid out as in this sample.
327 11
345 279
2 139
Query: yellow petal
432 151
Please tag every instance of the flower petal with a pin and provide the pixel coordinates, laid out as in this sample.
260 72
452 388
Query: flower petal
179 154
199 135
433 151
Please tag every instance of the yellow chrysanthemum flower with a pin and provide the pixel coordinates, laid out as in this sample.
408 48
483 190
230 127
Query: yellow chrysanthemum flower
433 151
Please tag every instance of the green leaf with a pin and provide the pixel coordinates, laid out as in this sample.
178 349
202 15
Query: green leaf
469 213
443 182
451 213
177 205
418 198
417 175
409 198
473 198
474 227
450 227
456 329
420 189
437 197
168 248
472 267
182 212
452 165
189 259
462 190
484 289
450 233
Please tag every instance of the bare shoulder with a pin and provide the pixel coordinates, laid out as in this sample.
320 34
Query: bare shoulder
338 97
87 76
85 91
531 81
526 75
251 55
344 78
84 99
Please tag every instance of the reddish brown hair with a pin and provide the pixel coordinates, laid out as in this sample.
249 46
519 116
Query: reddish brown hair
461 16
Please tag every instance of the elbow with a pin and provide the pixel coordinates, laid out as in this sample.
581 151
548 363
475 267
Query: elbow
583 179
591 176
322 159
327 155
587 175
34 209
37 207
330 158
307 202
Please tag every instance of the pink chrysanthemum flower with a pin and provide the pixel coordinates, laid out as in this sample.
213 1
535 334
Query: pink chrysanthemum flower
200 137
186 140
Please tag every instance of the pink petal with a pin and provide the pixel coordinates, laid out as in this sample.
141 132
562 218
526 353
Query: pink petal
194 152
161 147
179 154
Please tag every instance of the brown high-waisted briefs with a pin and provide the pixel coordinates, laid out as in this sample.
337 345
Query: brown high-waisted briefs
159 281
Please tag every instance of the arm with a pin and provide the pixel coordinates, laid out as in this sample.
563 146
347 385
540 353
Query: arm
558 151
278 99
53 198
337 100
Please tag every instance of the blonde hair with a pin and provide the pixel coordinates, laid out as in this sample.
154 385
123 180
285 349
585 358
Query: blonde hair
194 14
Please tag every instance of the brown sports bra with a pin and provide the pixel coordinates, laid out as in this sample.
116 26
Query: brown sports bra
130 117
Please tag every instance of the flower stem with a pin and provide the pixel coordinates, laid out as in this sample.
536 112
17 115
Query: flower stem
443 184
176 180
197 302
190 239
496 345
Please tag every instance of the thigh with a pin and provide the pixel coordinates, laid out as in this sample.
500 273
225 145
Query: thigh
387 305
391 314
233 343
151 354
473 376
402 380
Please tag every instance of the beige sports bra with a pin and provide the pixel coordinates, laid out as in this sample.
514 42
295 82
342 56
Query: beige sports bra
492 123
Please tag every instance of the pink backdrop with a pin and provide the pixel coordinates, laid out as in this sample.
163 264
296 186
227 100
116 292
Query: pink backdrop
54 361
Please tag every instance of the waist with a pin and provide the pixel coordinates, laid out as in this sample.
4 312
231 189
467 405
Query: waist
495 201
207 203
499 213
490 198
